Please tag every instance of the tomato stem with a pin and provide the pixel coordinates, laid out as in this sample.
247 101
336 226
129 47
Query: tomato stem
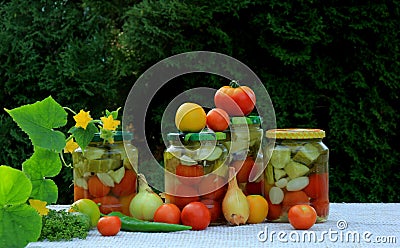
234 84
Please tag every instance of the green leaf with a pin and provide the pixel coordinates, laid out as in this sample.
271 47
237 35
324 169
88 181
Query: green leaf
19 225
113 113
84 136
15 187
19 222
43 163
38 121
45 190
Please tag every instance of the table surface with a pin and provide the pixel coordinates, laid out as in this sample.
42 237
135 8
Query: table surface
348 225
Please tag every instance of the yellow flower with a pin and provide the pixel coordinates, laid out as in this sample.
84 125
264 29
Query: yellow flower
71 146
109 123
40 206
82 119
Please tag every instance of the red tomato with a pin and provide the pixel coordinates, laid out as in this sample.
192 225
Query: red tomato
274 210
317 187
109 225
243 169
212 187
108 204
127 185
196 215
253 188
292 198
182 195
189 175
302 217
235 100
321 206
168 213
217 120
214 207
97 188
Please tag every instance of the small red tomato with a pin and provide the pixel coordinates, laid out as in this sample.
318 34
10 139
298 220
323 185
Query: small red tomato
302 217
317 187
212 187
243 169
109 225
274 210
235 100
217 120
189 175
196 215
182 195
168 213
253 188
321 206
214 207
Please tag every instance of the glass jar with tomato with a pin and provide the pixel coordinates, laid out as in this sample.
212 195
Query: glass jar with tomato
106 173
297 172
244 139
196 170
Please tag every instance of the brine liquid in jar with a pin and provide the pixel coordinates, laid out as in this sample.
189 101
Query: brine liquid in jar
244 143
297 172
196 170
106 173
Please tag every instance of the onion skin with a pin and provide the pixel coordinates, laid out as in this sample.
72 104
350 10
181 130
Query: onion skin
235 207
146 202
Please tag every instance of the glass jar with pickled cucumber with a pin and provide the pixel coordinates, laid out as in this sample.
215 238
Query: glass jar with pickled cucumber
243 141
297 172
106 173
196 170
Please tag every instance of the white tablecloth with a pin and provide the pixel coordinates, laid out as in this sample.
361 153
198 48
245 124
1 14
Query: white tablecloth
349 225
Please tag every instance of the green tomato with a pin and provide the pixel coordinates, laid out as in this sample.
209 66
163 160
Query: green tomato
88 207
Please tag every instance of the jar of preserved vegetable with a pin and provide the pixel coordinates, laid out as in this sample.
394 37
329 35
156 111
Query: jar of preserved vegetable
196 170
106 173
245 152
297 172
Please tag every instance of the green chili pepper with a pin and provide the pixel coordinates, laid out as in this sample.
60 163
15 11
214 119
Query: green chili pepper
135 225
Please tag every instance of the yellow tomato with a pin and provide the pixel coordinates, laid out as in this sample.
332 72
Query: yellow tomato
258 209
88 207
190 117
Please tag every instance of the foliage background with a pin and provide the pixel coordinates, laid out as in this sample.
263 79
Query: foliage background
326 64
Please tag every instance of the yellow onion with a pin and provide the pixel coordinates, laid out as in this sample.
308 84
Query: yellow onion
235 207
145 203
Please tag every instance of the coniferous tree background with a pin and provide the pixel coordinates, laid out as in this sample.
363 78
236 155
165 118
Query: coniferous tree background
333 65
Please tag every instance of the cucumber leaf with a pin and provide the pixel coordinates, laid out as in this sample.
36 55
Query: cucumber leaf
19 222
38 120
15 187
44 190
84 136
20 225
43 163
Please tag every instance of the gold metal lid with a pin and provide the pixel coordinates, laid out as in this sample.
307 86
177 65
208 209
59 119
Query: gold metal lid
295 133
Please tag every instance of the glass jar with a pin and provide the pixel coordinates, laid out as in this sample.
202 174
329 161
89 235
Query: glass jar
106 173
297 172
196 170
245 152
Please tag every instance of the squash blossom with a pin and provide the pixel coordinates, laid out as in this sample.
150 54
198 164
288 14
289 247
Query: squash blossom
40 206
71 146
109 123
82 119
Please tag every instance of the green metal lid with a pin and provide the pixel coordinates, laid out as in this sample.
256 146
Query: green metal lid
207 135
249 120
118 136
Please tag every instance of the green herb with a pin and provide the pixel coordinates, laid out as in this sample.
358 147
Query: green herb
62 225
